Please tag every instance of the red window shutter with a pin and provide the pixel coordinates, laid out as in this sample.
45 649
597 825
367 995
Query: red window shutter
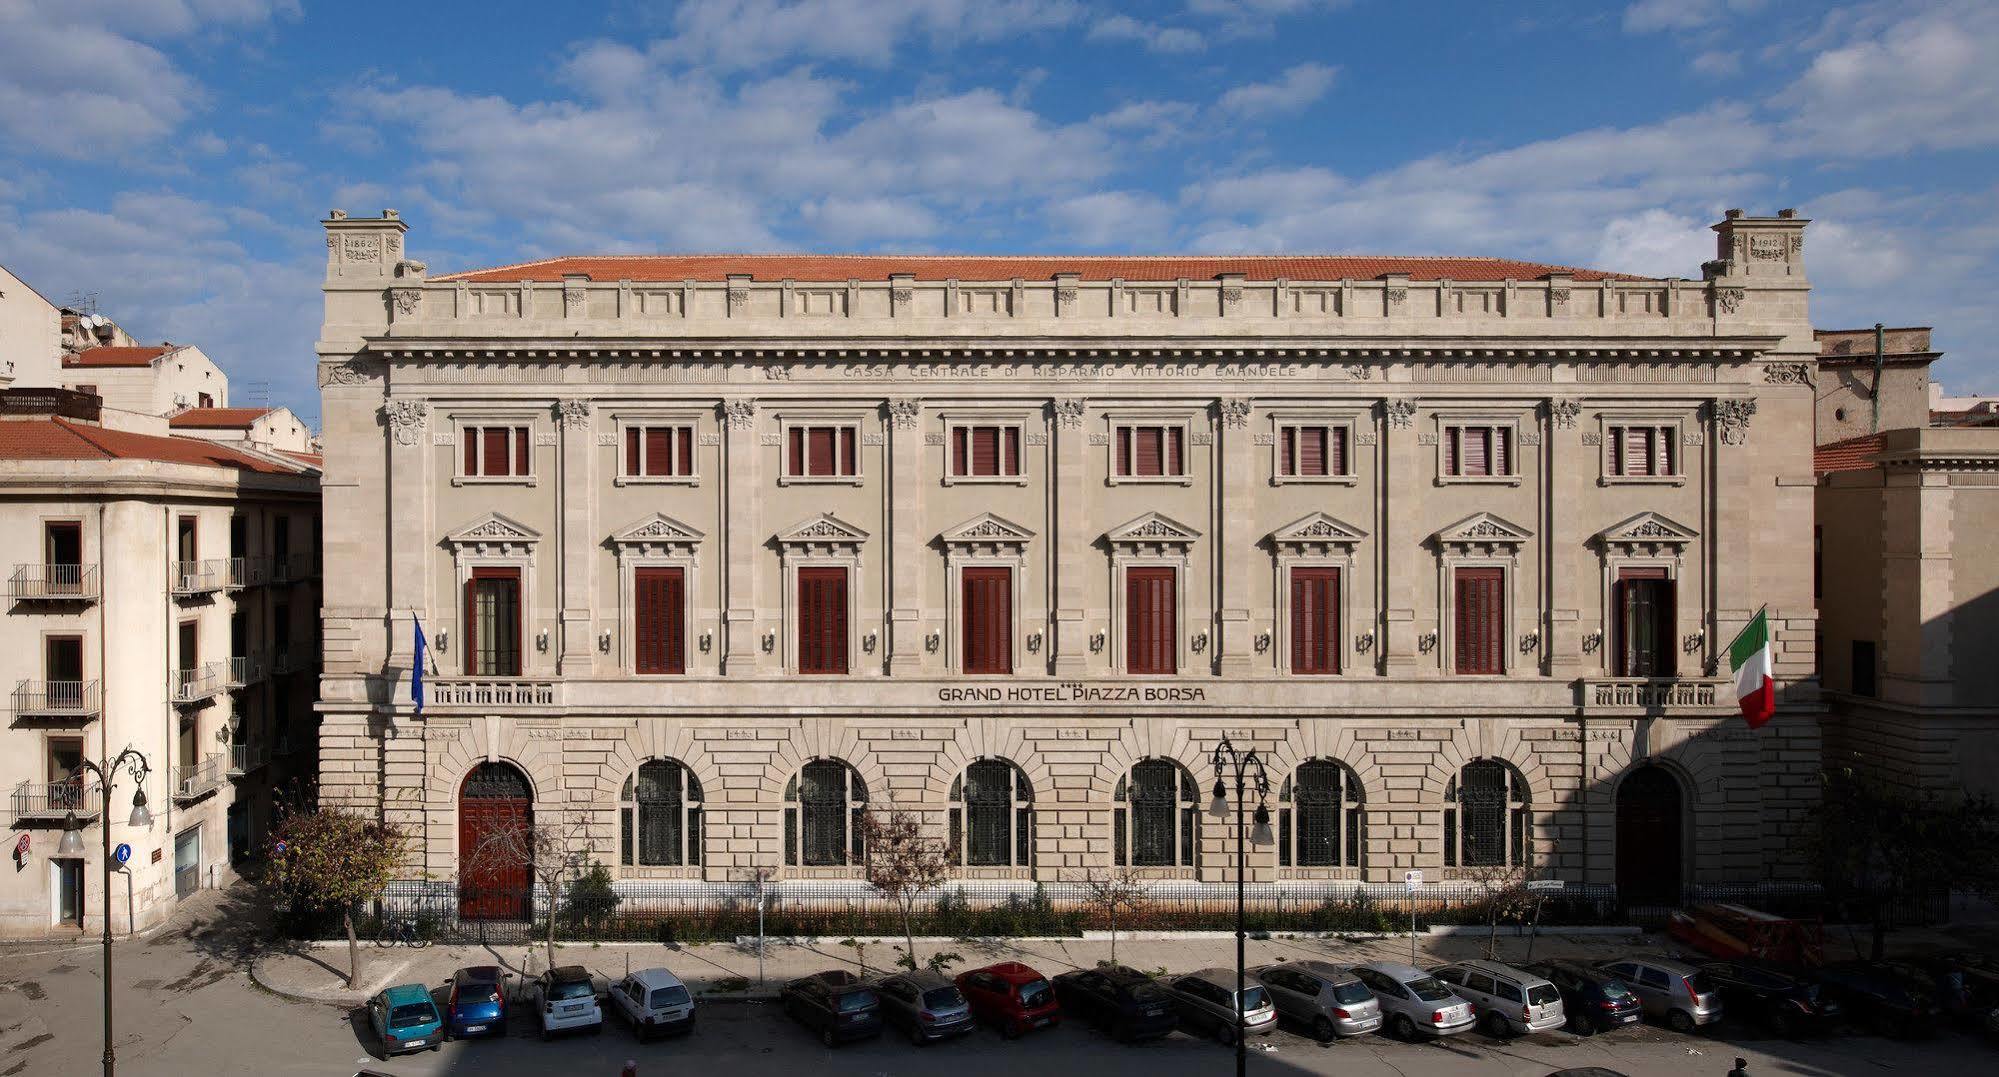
1617 450
1175 463
796 466
847 458
632 463
985 450
1479 617
1146 447
658 608
1315 622
471 647
819 450
1637 450
673 608
1287 453
494 460
1451 436
471 450
684 459
1312 451
1124 436
659 451
522 446
1476 441
1336 454
1149 621
958 455
1663 438
1502 450
986 617
1012 460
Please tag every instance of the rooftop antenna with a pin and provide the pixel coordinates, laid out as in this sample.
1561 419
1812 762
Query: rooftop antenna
260 392
82 302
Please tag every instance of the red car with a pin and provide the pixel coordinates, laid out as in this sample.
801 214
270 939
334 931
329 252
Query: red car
1012 996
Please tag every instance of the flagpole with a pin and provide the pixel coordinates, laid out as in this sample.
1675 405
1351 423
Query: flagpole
1760 610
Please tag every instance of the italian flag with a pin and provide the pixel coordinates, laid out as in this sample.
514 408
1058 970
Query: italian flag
1749 656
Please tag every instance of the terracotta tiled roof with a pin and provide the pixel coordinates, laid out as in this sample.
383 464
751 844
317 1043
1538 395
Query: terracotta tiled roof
117 356
317 460
875 267
217 418
1853 454
62 439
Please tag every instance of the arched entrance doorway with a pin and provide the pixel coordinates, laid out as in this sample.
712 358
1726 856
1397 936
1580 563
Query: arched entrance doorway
495 858
1650 844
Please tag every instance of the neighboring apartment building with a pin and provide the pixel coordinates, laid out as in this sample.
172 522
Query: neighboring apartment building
147 379
30 335
162 594
269 428
1907 576
715 551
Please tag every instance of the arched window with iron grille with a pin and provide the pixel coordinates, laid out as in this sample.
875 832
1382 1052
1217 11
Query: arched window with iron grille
992 816
1320 817
659 816
822 815
1486 820
1156 817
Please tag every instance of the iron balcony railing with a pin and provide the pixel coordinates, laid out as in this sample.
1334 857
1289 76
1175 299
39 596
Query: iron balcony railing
244 758
199 577
192 780
244 572
55 800
53 583
244 670
196 684
56 699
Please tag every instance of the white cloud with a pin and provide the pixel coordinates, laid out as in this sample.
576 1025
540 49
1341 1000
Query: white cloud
735 34
1649 16
1296 88
1154 36
1655 243
1121 220
1924 81
1151 124
1256 18
1718 63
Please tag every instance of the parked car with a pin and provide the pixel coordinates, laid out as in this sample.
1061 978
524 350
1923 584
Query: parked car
1890 998
477 1002
565 1000
1321 996
1124 1002
1011 996
1594 1000
1206 1003
1671 991
1413 1002
655 1002
1789 1003
835 1004
1509 1001
925 1005
405 1019
1967 984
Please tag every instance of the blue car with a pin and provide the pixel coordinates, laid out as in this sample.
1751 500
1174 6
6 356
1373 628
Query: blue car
477 1004
405 1019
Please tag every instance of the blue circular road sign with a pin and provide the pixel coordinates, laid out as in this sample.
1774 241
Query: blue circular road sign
122 853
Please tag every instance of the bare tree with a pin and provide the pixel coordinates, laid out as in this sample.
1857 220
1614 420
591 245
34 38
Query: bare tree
331 859
900 861
550 852
1109 891
1503 895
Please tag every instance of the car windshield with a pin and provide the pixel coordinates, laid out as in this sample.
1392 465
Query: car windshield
854 1001
1351 992
1253 998
475 991
1034 994
669 996
1543 994
943 998
1615 989
1146 992
1428 989
567 989
1700 983
412 1014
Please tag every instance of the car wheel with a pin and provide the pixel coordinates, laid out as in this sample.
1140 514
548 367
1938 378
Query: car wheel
1781 1025
1493 1024
826 1036
1225 1034
1680 1021
1010 1029
1581 1024
1323 1030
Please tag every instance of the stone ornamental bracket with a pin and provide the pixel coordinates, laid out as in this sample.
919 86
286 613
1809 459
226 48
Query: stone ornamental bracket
406 419
903 413
407 300
574 414
739 414
1069 413
1788 373
1731 419
1728 300
1401 413
1565 412
1235 413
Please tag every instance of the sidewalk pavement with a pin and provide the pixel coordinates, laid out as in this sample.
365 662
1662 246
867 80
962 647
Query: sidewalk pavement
729 972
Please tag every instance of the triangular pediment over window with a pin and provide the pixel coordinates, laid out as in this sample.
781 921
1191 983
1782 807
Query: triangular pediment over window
1482 533
1316 534
824 532
987 529
1152 529
494 535
657 534
1647 533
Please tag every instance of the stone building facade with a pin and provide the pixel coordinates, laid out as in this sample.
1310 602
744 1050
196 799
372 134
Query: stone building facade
712 552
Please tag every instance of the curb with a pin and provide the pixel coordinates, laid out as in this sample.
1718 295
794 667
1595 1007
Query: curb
341 996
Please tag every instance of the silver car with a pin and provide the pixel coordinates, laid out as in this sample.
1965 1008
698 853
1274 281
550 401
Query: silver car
924 1004
655 1002
1324 997
1671 991
1206 1002
1413 1002
1509 1001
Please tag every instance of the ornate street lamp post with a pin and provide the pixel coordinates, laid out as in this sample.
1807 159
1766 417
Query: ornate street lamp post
1247 769
71 844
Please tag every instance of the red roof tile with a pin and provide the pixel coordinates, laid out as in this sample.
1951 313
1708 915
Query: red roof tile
317 460
1853 454
217 418
117 356
875 267
62 439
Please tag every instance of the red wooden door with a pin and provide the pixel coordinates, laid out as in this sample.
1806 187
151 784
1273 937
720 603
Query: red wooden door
822 620
1315 620
495 874
986 609
658 600
1480 615
1150 621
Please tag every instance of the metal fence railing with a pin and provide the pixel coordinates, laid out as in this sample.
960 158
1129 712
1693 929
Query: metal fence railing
196 683
248 572
35 582
198 577
192 780
56 699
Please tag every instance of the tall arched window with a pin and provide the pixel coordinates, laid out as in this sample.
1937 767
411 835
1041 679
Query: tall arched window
822 815
659 816
1485 816
1157 816
992 816
1319 817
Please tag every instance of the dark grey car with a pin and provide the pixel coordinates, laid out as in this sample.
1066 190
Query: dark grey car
1321 996
1206 1002
925 1005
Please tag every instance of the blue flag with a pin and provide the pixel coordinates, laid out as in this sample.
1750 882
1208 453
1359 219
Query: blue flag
416 667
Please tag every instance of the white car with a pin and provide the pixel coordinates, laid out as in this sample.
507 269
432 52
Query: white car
565 1000
655 1002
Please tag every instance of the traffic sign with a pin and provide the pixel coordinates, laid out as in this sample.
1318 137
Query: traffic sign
1545 884
1412 880
122 853
279 848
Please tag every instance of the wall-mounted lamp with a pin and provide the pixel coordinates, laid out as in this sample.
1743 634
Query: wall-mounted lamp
707 641
1426 642
541 640
931 642
1033 642
1529 641
1591 641
1694 641
1364 642
604 643
1097 641
1262 642
443 640
868 643
1200 642
770 642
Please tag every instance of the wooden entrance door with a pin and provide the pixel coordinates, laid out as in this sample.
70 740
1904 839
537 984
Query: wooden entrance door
1649 838
495 872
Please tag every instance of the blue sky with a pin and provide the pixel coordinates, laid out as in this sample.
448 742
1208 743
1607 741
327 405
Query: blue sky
173 157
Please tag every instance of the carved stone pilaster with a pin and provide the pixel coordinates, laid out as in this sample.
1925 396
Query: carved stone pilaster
1069 413
1565 412
1235 413
902 413
573 413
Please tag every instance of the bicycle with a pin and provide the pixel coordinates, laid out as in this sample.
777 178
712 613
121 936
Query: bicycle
401 931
